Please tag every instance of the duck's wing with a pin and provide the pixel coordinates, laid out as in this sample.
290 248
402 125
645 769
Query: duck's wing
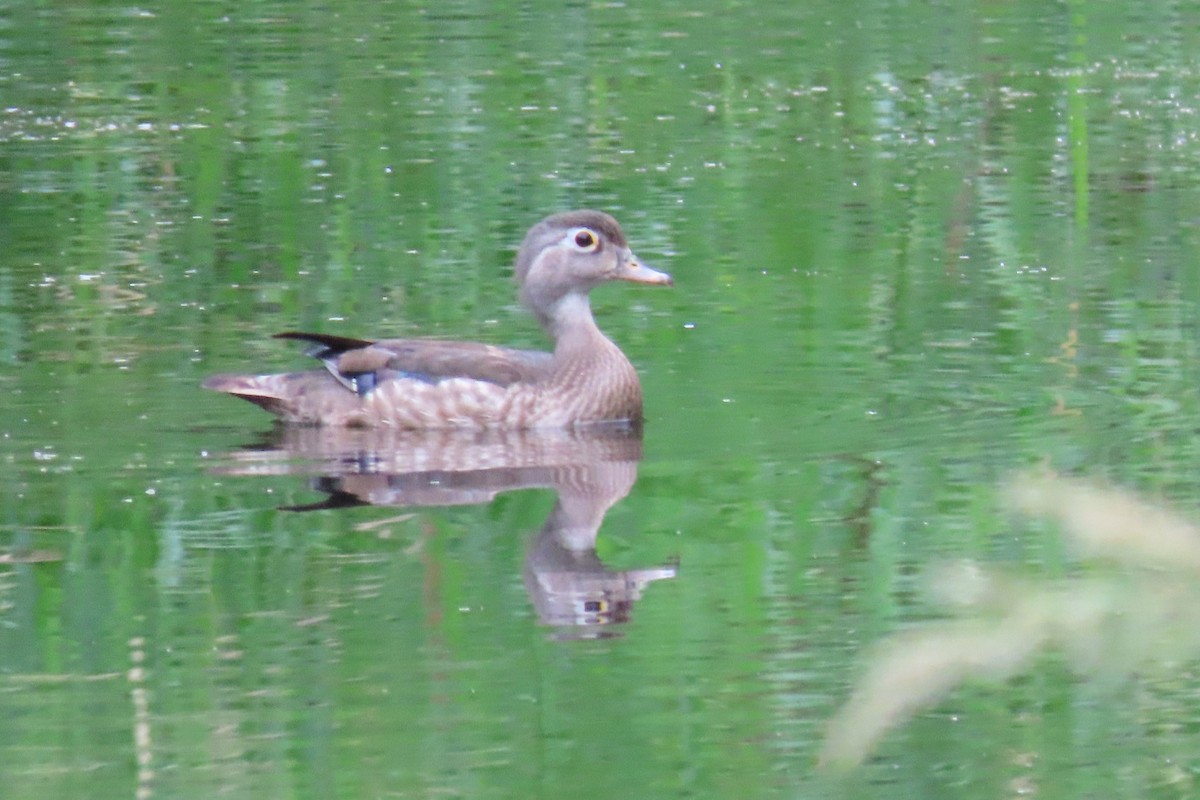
361 364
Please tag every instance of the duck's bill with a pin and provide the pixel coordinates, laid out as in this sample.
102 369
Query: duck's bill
637 272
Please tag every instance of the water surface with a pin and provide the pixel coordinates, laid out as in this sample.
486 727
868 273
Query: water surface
916 250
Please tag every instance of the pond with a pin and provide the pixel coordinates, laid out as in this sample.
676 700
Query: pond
909 513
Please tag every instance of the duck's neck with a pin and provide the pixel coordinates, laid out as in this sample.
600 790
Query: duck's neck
574 330
588 369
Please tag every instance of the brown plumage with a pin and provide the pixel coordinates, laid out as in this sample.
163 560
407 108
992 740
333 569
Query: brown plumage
422 384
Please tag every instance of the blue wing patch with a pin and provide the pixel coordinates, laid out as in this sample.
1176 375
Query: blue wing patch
365 382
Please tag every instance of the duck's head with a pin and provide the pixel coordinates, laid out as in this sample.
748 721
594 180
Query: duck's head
566 255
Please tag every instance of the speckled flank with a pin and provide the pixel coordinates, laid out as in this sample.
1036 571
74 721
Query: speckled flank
599 386
452 403
602 387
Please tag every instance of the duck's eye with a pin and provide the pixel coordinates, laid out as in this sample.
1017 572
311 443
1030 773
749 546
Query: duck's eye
585 239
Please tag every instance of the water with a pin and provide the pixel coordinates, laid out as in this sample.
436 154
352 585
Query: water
916 250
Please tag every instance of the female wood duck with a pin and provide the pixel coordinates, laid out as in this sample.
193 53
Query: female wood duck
424 384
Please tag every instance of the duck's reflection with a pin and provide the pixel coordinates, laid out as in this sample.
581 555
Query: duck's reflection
590 469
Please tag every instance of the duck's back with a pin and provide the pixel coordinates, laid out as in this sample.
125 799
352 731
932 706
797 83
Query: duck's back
419 384
404 383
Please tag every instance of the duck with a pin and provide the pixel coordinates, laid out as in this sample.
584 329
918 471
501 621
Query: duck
426 384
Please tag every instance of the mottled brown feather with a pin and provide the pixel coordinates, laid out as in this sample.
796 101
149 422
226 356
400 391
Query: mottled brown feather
483 362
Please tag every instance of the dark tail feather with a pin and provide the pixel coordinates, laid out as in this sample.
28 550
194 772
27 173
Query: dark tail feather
325 345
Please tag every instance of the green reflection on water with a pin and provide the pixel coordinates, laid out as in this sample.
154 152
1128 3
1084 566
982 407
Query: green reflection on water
915 248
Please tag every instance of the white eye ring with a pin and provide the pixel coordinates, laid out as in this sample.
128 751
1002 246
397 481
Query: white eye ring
584 240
